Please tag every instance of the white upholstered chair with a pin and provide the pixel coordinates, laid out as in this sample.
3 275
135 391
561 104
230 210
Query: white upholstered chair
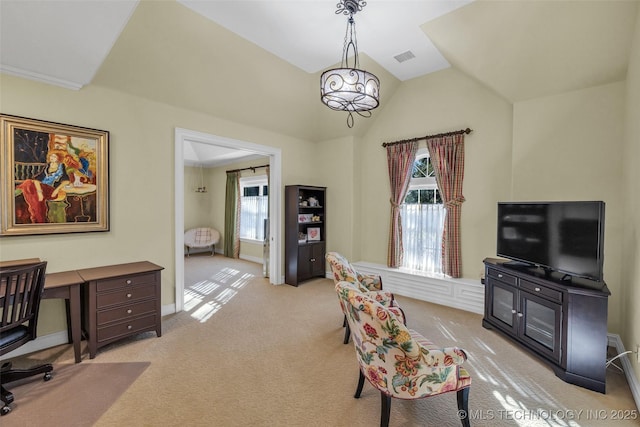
201 237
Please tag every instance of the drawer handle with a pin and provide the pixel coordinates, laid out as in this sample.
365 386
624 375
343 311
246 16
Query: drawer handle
513 312
129 326
520 314
128 295
312 260
129 311
500 276
128 281
536 289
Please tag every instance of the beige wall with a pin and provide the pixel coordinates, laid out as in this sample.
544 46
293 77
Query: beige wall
338 175
440 102
197 206
630 257
569 147
141 177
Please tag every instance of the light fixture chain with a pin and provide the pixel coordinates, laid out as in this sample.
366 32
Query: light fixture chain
350 43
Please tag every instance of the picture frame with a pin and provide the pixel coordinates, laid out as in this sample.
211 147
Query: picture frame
313 233
302 218
55 178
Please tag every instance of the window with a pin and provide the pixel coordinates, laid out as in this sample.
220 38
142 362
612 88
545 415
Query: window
254 207
422 216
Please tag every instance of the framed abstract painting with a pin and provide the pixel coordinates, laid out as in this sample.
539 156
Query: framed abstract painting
55 177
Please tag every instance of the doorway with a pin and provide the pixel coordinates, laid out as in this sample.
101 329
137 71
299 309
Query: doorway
184 136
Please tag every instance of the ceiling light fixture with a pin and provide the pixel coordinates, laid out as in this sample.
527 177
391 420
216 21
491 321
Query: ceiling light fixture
348 88
202 188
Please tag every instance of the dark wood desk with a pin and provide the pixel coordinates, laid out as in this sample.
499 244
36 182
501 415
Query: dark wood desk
66 285
119 300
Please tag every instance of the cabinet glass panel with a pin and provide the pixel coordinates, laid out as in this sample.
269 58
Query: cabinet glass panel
540 323
503 305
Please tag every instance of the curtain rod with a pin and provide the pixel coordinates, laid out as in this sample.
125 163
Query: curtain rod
252 168
439 135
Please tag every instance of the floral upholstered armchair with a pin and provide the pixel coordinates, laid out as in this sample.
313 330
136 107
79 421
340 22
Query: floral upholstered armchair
343 270
398 361
370 284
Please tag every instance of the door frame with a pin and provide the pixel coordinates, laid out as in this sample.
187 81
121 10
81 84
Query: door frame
183 136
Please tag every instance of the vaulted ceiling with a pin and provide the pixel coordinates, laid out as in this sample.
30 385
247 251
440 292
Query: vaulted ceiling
258 62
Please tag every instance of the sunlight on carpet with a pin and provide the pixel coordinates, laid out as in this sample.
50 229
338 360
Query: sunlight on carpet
226 282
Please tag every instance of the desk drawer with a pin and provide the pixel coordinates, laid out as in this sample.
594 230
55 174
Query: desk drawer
125 296
127 311
124 282
503 277
534 288
127 328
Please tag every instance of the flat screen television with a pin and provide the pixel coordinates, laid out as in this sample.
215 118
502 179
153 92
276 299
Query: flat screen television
566 237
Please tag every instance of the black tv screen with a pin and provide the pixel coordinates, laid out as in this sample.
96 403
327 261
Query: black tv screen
567 237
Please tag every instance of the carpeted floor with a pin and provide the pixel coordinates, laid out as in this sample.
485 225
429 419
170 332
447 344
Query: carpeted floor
77 395
246 353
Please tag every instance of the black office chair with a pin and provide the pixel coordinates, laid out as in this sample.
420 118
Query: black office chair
20 294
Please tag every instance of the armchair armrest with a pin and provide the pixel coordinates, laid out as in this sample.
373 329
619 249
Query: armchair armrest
437 357
370 281
449 356
398 313
383 297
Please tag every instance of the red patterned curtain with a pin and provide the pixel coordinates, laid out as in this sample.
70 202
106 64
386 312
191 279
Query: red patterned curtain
400 158
447 157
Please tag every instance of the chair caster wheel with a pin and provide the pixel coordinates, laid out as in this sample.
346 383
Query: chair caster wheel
5 410
47 376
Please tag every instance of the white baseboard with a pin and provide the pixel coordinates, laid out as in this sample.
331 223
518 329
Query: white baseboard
167 309
60 338
40 343
464 294
632 380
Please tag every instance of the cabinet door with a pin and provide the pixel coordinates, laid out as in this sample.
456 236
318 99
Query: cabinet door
540 324
317 260
502 305
304 266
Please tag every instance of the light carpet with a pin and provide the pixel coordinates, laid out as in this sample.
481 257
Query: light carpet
77 395
247 353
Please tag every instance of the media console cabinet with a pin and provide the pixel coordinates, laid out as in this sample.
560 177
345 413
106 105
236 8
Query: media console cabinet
563 322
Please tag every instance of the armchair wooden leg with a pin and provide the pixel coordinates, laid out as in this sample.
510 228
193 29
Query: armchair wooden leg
360 385
385 410
463 406
347 334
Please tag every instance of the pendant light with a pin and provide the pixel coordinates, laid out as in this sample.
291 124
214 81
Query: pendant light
349 88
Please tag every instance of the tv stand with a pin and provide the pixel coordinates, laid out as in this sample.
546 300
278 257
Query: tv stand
518 265
562 322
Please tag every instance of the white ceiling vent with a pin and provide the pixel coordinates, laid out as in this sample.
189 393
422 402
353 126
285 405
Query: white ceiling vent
405 56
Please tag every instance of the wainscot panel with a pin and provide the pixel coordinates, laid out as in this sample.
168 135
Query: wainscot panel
464 294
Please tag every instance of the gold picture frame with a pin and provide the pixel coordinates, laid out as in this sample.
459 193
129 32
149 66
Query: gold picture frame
55 178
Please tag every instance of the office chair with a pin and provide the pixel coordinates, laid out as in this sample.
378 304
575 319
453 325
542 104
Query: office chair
20 294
